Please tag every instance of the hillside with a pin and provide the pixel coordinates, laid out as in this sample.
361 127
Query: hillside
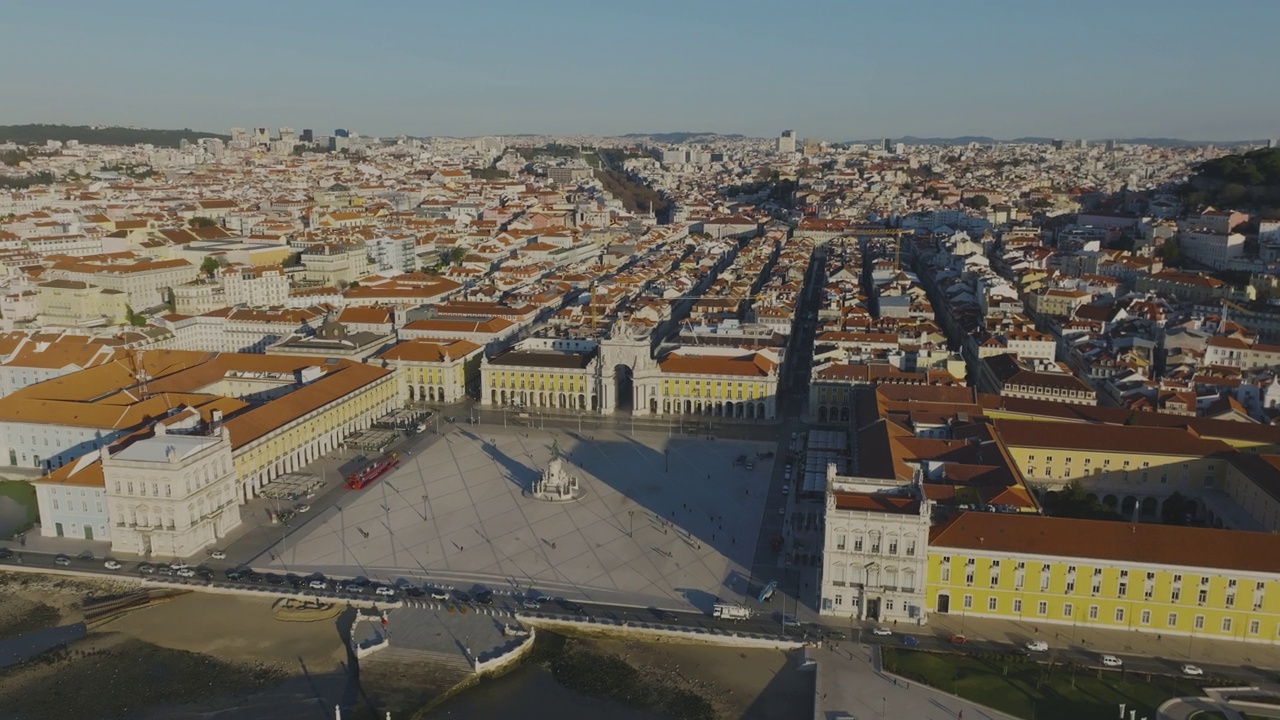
1250 180
99 135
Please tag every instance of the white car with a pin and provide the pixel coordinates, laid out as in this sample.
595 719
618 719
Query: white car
882 632
186 572
303 508
384 590
1111 661
786 489
1038 646
178 566
218 555
1192 670
112 565
318 585
438 594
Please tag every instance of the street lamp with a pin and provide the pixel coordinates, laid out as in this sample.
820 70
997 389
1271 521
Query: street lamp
631 514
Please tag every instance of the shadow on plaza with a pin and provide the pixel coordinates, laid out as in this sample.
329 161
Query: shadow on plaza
792 687
517 473
667 514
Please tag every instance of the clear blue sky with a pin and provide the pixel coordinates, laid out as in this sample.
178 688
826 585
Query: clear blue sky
839 70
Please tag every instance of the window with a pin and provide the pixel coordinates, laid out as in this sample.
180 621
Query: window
1231 599
1068 610
857 543
1119 615
1254 627
1175 595
1145 617
1097 587
1093 612
1042 608
893 546
1198 622
1226 625
839 600
1071 586
1151 576
1202 597
968 578
991 604
840 542
1071 569
55 504
911 548
946 574
1123 589
968 602
1177 578
1017 606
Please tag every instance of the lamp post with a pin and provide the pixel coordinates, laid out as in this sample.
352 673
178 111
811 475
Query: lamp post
631 515
424 506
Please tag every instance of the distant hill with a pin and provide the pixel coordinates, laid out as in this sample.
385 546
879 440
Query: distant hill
1031 139
679 137
100 135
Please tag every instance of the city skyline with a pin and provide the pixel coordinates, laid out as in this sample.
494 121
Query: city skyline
1094 71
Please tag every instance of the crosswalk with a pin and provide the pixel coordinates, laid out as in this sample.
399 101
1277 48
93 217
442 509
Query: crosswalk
435 605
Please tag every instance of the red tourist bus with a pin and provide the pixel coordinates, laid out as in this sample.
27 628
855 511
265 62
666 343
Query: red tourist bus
363 478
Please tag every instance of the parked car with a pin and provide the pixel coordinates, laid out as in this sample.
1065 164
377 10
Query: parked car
218 555
1111 661
235 574
186 572
414 591
303 508
959 639
318 585
910 641
274 579
786 488
462 596
1192 670
385 591
439 594
354 588
62 560
147 569
164 570
484 597
882 631
1038 646
5 553
85 555
178 566
205 573
530 605
112 565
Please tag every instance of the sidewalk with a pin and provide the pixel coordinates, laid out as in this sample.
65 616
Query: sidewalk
1098 640
849 686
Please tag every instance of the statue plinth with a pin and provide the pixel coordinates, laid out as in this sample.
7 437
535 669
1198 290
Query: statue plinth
556 484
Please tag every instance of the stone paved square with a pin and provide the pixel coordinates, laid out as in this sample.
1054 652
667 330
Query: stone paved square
476 524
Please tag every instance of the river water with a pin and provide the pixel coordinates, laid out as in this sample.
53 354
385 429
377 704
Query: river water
531 693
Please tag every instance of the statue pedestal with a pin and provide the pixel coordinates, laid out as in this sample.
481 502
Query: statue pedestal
556 484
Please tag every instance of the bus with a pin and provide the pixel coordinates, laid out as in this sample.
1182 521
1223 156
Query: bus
363 478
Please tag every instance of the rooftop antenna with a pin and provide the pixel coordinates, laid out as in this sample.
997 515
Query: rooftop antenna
140 372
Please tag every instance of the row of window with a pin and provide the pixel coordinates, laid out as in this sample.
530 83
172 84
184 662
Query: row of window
1092 613
874 542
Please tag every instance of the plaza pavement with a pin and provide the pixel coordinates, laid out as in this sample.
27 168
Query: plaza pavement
455 514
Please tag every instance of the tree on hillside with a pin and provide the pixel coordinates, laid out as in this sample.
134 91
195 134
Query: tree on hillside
977 202
200 222
210 266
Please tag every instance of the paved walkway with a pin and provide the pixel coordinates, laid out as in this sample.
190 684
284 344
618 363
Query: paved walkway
849 686
1199 651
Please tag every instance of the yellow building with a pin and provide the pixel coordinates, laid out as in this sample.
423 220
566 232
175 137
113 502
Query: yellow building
1129 468
72 302
541 373
1165 579
434 371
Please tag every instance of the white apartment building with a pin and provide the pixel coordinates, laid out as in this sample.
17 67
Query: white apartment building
262 286
145 282
1212 249
393 254
875 550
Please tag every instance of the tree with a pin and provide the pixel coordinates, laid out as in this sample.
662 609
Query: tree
210 266
977 202
200 222
134 318
1170 252
455 256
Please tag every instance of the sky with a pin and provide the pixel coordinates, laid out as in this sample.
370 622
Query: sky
838 70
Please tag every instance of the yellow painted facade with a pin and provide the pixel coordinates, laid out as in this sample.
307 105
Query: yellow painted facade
1117 468
703 388
1222 604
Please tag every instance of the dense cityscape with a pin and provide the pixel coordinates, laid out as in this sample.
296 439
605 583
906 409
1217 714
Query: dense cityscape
1016 397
